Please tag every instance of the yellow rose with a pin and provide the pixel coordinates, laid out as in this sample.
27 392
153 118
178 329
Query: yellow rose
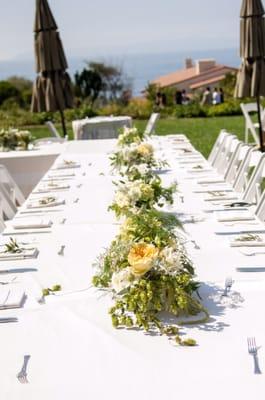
145 149
141 258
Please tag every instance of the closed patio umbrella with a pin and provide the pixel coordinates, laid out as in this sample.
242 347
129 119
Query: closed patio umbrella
251 75
52 90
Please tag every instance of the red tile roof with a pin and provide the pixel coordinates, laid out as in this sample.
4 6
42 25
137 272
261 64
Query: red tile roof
190 74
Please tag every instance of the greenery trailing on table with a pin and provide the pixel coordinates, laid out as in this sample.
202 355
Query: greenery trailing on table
146 266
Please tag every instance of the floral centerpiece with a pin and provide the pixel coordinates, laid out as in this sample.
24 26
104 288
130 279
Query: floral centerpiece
15 139
142 193
146 267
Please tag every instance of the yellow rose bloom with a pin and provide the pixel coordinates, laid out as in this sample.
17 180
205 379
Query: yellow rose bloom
141 258
145 149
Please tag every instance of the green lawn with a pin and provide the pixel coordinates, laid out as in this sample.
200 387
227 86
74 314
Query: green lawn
202 132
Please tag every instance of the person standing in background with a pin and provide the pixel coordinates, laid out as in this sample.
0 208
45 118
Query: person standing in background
216 97
178 97
206 97
222 97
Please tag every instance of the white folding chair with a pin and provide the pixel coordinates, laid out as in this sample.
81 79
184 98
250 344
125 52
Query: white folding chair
217 145
260 210
249 125
223 157
53 129
9 208
2 223
240 181
12 189
233 165
253 188
150 127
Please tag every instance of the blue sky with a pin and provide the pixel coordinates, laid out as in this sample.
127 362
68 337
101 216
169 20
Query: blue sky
119 27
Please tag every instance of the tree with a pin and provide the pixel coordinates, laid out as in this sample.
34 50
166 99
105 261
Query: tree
114 82
228 84
88 84
7 91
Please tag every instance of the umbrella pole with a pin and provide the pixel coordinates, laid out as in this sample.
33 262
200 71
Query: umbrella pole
260 126
63 123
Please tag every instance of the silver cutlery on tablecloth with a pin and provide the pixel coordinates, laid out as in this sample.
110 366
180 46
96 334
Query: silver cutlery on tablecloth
22 376
253 351
228 285
61 251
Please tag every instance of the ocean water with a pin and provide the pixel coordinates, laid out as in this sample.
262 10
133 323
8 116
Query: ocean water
139 68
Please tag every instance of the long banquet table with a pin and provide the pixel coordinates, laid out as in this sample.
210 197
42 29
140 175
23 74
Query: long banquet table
74 350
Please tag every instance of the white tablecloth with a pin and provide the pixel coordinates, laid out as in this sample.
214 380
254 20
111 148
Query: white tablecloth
76 353
99 127
28 167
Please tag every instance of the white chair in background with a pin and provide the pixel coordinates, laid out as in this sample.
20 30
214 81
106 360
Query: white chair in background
9 208
12 189
252 191
250 126
53 129
55 138
224 153
217 145
241 178
260 210
151 124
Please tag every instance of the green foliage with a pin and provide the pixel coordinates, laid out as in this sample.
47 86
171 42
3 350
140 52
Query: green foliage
88 84
7 91
114 81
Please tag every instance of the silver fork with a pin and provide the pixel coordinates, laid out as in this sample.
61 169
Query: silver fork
22 376
228 285
61 250
253 350
254 253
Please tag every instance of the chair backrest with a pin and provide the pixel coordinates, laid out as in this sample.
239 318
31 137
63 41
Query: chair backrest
2 223
251 191
217 145
150 127
260 210
249 125
11 186
52 129
9 208
223 157
232 168
240 181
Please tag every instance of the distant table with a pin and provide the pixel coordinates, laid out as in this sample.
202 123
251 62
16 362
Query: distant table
28 167
99 127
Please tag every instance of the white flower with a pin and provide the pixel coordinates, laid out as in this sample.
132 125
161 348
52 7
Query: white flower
171 260
121 199
142 169
121 280
134 191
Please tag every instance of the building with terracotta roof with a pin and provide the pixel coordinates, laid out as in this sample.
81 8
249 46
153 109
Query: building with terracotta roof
205 73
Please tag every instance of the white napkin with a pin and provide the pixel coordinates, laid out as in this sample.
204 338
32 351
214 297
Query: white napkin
31 223
245 243
37 204
58 174
209 181
65 165
11 296
201 170
231 216
221 198
214 189
25 254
